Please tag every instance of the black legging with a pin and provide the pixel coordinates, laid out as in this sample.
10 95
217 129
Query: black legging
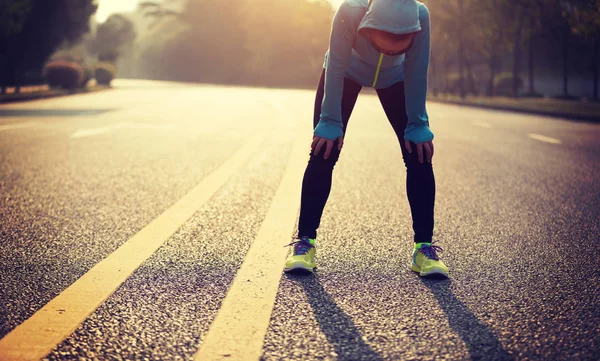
420 181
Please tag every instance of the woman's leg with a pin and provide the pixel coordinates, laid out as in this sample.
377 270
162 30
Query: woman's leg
420 181
316 183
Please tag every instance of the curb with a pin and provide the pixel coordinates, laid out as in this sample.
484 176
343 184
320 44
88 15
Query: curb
571 116
51 94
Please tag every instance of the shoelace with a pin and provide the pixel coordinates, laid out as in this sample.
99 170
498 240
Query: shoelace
301 246
430 251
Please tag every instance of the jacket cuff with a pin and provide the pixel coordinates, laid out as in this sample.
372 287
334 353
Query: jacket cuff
328 130
418 134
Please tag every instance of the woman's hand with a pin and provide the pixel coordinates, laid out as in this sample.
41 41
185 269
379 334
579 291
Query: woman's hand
318 143
428 146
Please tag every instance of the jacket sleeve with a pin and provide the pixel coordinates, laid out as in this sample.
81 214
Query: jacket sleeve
343 35
415 82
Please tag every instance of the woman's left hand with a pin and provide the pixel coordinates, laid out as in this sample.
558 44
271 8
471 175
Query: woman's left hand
428 146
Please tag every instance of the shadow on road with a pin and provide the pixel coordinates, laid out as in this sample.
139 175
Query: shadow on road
347 340
480 340
50 112
335 324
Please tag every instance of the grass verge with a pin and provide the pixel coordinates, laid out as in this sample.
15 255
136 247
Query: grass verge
571 109
48 93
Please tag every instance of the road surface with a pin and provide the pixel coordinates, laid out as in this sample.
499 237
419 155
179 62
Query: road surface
125 216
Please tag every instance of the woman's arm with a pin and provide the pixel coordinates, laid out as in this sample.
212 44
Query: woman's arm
343 35
415 82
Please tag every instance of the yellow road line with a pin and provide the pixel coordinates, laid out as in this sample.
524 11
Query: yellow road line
48 327
17 125
239 329
90 132
544 138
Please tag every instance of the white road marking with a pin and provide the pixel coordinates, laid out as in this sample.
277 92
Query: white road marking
481 124
89 132
544 138
17 125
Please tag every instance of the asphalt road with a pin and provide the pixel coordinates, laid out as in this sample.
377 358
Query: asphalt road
517 215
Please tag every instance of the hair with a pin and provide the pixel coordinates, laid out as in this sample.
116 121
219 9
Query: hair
395 37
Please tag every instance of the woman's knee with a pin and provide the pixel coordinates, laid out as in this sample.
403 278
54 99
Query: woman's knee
320 161
412 164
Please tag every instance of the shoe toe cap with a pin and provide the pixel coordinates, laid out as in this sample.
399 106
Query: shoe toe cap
434 267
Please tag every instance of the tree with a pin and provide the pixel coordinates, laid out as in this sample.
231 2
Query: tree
491 37
286 34
46 26
157 10
274 42
532 29
12 17
584 19
209 45
112 36
519 10
471 37
442 39
461 48
554 21
455 36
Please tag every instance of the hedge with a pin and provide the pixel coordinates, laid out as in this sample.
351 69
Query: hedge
63 74
105 73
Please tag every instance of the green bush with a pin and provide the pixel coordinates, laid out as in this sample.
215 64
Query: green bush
105 73
69 55
503 84
63 74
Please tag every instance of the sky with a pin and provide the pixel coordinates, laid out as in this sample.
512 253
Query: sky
335 3
107 7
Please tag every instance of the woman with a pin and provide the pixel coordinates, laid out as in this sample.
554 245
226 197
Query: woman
383 44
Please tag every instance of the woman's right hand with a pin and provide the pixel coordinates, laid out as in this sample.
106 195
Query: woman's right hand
318 143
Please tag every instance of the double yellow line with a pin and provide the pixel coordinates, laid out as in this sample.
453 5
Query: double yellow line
238 330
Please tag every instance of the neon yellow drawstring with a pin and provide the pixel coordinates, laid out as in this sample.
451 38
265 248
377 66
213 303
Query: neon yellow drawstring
377 71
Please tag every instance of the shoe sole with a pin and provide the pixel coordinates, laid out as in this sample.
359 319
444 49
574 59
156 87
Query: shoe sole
299 267
433 272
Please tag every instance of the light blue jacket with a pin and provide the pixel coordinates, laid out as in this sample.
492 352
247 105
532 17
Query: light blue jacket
351 55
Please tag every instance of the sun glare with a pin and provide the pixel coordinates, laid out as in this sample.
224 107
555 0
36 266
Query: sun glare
108 7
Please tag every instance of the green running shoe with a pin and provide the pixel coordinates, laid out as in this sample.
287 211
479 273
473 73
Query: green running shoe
426 262
303 255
